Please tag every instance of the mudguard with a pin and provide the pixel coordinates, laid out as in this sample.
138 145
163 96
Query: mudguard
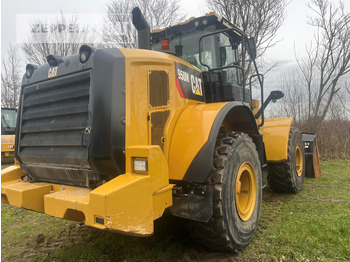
193 143
276 134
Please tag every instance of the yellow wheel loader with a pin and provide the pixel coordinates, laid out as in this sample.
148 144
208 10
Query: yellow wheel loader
8 126
113 137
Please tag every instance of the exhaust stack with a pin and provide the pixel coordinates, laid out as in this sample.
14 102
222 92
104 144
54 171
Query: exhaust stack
143 29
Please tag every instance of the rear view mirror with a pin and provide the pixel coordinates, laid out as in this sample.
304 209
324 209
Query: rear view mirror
251 48
275 95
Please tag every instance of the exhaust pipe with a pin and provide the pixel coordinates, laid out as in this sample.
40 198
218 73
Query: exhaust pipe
143 29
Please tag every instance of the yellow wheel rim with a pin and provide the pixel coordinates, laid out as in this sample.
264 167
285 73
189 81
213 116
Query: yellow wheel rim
245 191
299 160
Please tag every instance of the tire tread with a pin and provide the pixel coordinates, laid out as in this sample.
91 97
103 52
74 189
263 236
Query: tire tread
281 175
213 234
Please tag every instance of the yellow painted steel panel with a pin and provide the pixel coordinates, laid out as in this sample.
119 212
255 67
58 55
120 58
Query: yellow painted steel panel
128 203
138 65
26 195
255 109
7 148
11 173
191 133
276 135
8 139
57 203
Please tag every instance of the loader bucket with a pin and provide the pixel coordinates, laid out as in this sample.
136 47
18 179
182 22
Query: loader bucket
312 167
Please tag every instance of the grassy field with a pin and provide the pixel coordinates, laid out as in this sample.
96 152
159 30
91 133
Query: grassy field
313 225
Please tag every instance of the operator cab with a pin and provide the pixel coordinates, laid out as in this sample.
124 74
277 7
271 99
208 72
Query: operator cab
217 48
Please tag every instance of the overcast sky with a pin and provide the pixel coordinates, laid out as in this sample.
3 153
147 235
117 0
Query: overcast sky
294 34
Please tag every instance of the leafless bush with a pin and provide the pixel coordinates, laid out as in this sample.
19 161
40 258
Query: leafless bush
334 139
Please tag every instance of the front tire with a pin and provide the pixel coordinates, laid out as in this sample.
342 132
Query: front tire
236 176
288 176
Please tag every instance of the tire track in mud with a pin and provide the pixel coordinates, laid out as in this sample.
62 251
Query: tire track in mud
39 245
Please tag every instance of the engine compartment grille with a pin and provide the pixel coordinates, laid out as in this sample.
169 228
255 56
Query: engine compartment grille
54 129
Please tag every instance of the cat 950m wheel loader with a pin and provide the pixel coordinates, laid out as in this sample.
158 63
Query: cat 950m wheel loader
113 137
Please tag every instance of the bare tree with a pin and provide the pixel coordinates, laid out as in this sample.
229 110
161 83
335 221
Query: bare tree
346 104
161 13
296 100
328 58
257 18
11 77
63 37
293 104
333 134
119 31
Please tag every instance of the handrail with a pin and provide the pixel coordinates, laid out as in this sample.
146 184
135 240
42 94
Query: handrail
246 44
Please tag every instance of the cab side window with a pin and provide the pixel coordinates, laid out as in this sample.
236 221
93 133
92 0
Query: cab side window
228 56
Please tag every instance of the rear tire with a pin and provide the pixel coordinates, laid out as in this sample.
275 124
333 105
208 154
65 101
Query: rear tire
288 176
236 176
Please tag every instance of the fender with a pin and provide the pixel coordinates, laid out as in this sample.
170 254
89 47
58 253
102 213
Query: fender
276 135
193 143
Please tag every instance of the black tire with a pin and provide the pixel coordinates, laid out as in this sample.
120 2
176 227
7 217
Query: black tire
226 231
288 176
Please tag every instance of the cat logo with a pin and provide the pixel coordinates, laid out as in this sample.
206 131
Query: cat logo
189 83
52 71
196 84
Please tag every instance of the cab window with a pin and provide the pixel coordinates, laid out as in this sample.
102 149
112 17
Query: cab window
229 57
190 48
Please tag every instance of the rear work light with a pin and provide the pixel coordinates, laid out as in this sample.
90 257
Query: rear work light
140 165
30 70
85 53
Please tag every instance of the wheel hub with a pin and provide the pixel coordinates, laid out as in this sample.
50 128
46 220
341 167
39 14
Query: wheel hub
299 160
245 191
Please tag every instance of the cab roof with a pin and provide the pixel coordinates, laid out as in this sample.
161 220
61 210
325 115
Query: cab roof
193 24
